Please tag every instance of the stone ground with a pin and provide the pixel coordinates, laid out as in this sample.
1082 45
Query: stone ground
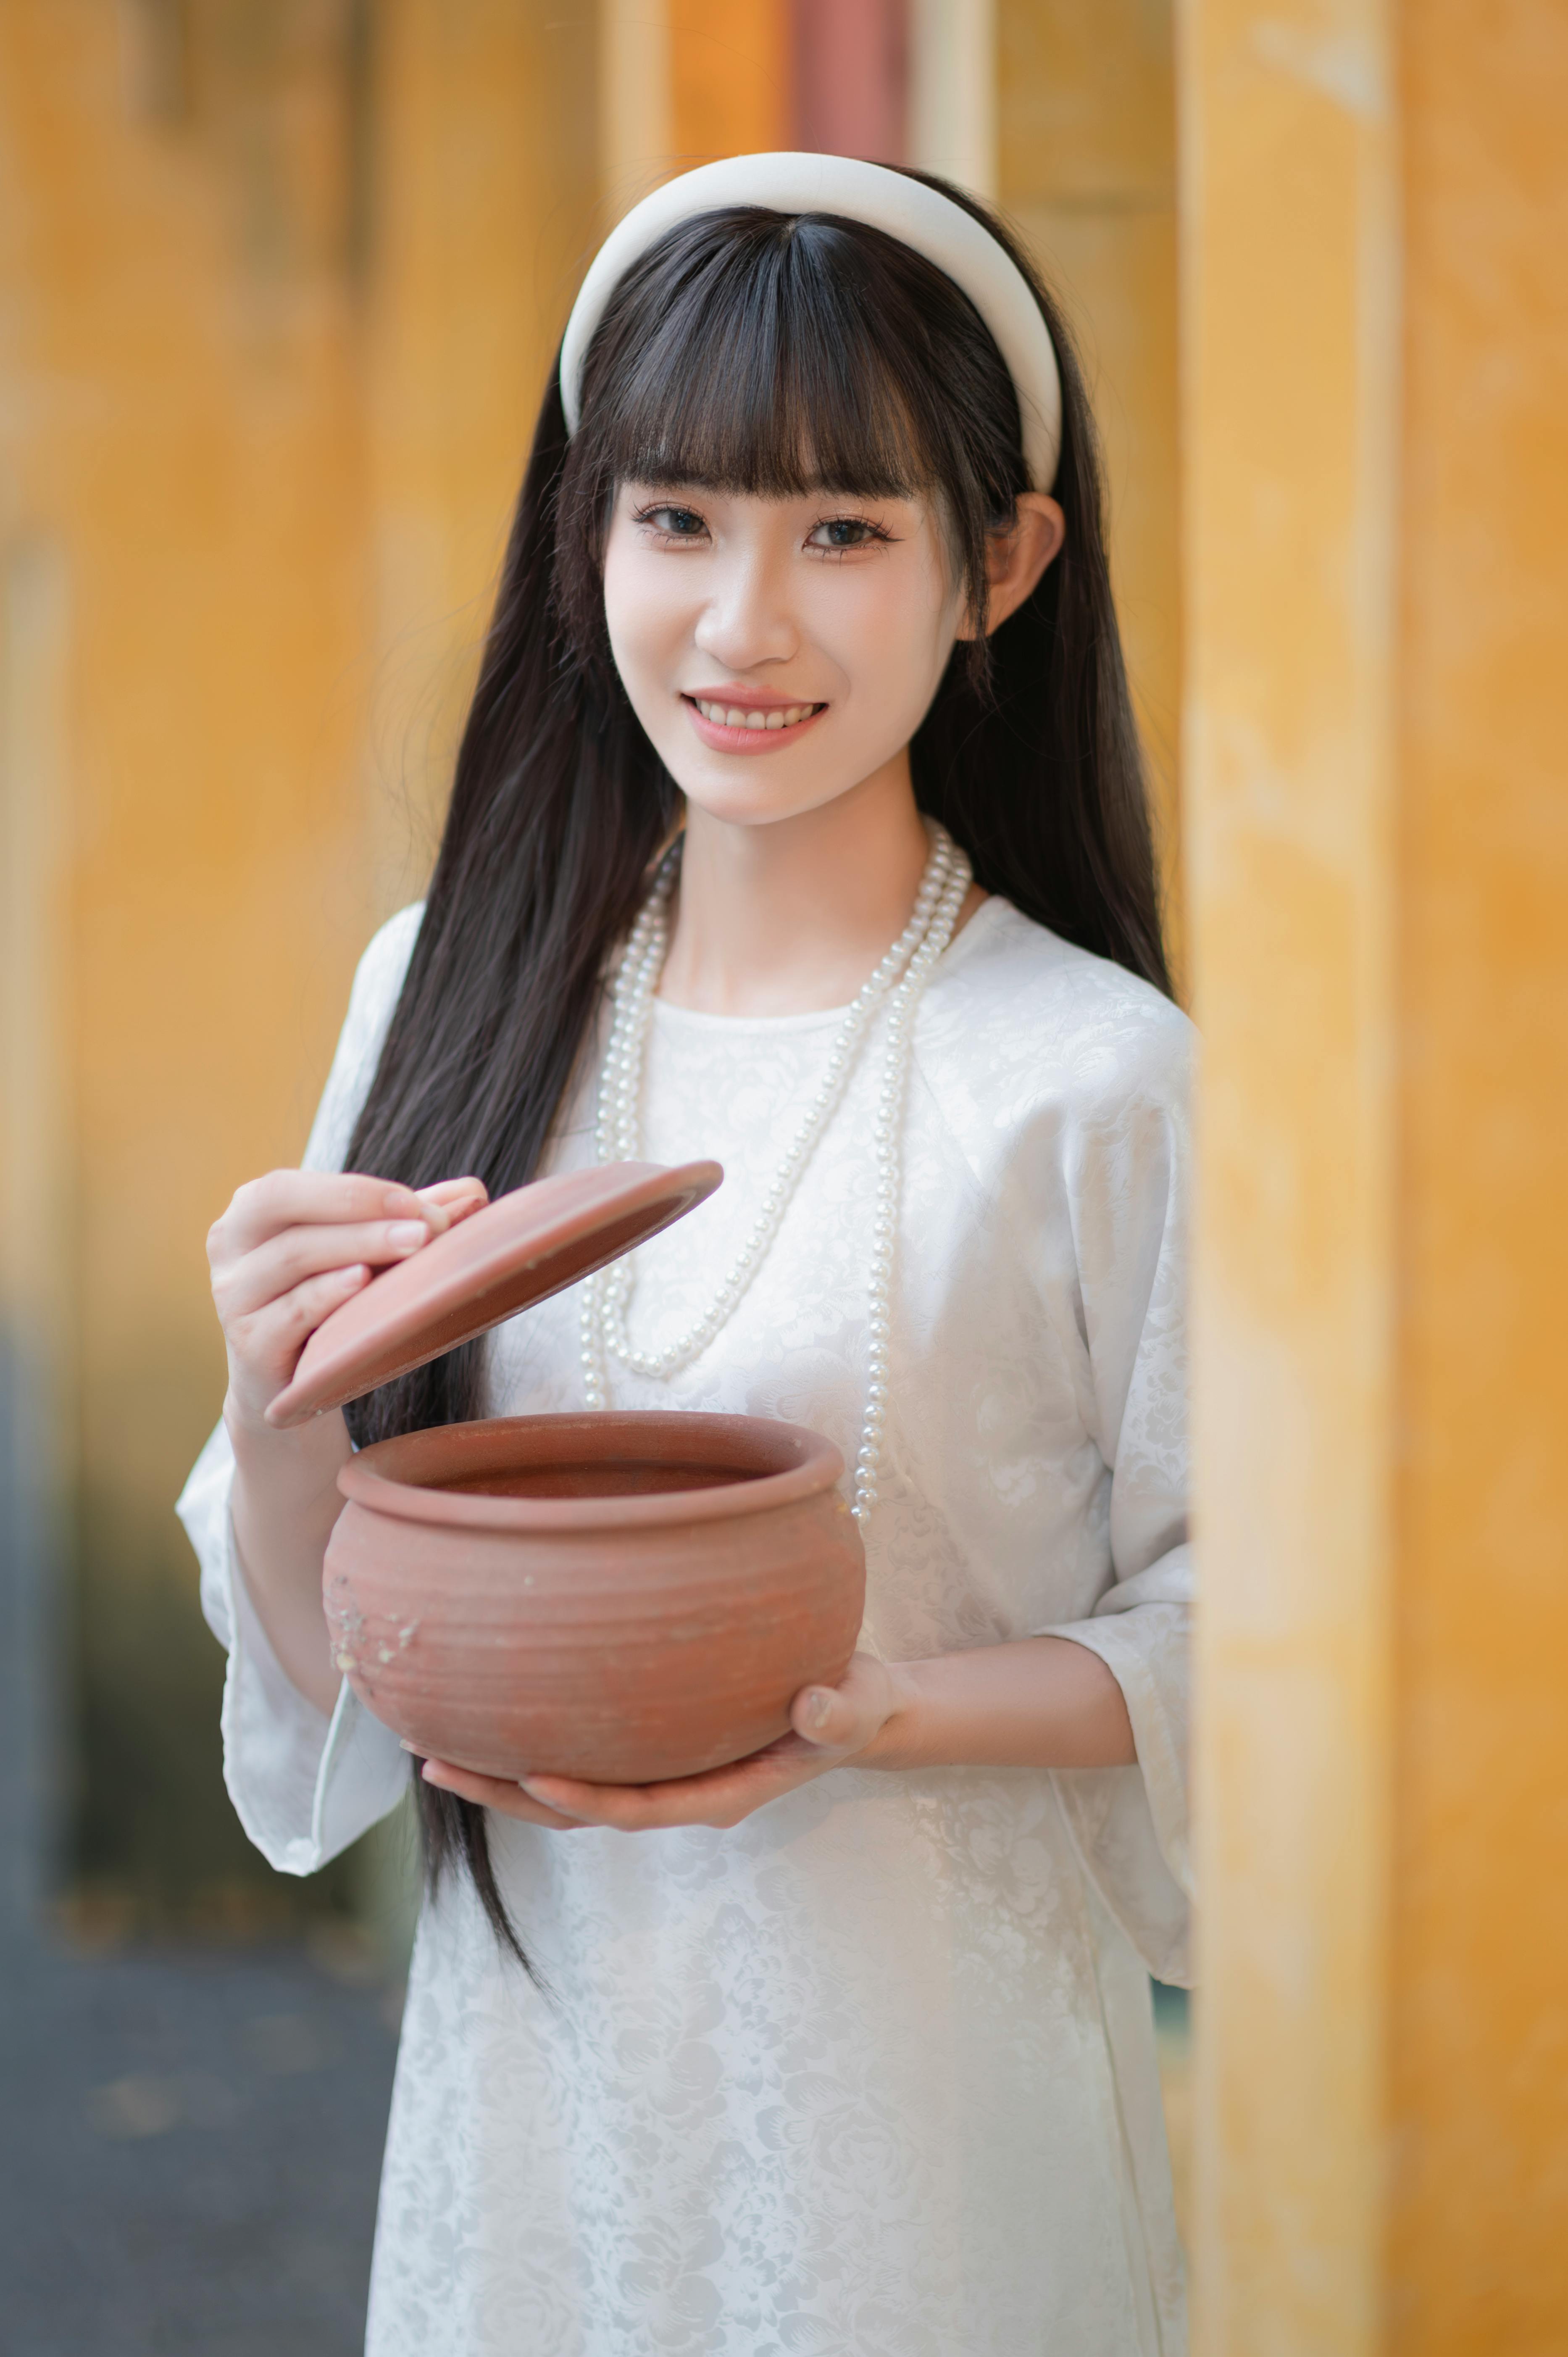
190 2144
190 2137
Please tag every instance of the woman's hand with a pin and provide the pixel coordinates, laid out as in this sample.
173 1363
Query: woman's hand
830 1726
295 1245
288 1251
1036 1701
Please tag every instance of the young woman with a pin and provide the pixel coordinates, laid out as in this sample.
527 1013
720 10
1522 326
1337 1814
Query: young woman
797 822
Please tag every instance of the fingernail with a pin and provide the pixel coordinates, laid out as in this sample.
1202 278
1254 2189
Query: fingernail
819 1702
526 1784
406 1234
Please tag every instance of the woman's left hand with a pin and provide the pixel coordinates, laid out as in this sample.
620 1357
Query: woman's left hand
830 1726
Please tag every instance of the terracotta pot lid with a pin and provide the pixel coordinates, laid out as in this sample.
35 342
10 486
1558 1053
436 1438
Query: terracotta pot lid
517 1251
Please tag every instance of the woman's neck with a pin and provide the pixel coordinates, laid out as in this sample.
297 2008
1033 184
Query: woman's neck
790 917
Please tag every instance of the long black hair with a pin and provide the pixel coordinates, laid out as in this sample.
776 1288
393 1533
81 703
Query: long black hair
755 352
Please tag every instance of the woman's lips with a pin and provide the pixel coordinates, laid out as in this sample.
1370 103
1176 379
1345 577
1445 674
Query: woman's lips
748 727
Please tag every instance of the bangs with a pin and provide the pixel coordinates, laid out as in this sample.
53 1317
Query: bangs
758 362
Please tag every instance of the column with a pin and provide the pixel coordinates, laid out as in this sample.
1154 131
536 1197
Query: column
1477 2086
1376 376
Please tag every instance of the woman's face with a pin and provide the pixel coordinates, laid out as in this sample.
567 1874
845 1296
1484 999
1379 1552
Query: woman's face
778 652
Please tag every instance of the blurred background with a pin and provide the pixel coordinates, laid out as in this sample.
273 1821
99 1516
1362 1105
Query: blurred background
281 282
280 285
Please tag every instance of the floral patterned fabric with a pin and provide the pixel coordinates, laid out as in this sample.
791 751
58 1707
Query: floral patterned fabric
873 2073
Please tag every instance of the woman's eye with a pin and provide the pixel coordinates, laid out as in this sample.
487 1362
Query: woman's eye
677 523
844 531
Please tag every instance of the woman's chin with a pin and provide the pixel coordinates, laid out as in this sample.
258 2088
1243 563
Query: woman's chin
736 805
755 795
734 792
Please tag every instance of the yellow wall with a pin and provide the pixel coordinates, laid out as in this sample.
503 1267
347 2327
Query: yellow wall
1478 2256
183 521
187 436
1376 337
730 77
280 301
1291 367
485 218
1086 165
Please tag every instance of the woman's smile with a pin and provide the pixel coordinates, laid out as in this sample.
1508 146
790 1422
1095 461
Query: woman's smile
749 720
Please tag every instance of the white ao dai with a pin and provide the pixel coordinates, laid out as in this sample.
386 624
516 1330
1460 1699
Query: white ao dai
872 2074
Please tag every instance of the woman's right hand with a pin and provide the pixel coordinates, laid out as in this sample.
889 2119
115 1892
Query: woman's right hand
293 1246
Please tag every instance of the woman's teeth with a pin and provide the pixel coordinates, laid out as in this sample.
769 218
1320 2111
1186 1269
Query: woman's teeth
730 715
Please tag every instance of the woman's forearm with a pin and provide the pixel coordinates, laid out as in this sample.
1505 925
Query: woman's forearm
1043 1702
286 1501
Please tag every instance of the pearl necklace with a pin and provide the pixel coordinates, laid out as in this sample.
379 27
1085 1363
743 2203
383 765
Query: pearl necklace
898 979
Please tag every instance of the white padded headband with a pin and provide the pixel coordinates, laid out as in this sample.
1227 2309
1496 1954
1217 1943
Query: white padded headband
904 208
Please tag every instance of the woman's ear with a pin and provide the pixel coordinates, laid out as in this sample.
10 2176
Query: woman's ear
1017 556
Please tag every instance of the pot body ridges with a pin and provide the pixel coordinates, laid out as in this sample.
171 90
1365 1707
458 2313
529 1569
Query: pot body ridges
653 1638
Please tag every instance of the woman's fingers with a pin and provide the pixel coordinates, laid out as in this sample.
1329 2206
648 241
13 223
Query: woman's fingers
455 1198
829 1725
293 1246
825 1717
285 1261
263 1208
271 1339
496 1792
843 1719
267 1207
722 1797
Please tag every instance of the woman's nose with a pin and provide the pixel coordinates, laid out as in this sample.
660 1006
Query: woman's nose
747 620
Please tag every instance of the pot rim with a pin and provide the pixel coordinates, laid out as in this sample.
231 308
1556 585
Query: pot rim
819 1466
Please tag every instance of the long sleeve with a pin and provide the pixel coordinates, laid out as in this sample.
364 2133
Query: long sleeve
303 1786
1128 1183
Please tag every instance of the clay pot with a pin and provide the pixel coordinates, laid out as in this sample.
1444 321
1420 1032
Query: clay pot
623 1597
